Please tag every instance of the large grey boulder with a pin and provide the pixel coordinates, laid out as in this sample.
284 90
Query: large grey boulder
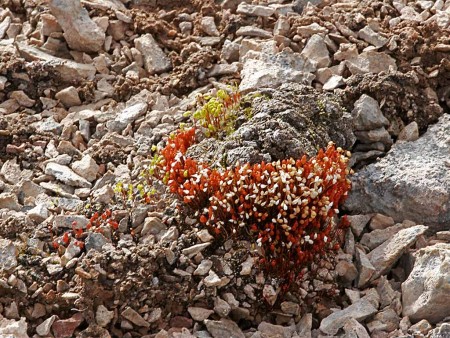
290 121
425 292
412 182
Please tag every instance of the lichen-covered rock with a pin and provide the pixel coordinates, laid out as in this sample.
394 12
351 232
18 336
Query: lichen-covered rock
412 182
292 121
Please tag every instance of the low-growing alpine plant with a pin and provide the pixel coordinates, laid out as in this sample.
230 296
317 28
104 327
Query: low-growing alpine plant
287 206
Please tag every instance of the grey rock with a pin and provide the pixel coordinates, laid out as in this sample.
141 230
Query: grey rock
86 168
69 97
386 320
353 328
127 116
316 50
155 61
39 213
377 237
221 307
95 241
282 26
411 182
375 135
11 328
365 268
358 223
209 26
380 221
333 82
223 328
254 32
371 62
374 38
199 314
254 10
80 32
409 133
386 255
102 316
386 292
66 175
367 114
195 249
304 326
8 255
66 221
4 25
314 28
68 70
359 311
153 226
203 268
49 125
425 292
270 330
43 329
265 70
11 171
296 120
9 201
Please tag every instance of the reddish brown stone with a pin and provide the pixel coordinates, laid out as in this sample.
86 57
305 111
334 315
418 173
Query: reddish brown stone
180 321
64 328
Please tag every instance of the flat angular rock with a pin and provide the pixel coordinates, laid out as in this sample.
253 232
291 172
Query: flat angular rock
43 329
68 70
86 168
263 70
316 50
8 253
359 311
66 175
155 60
425 292
367 114
411 182
80 32
134 317
365 268
379 236
69 97
386 255
254 10
253 31
9 201
372 37
270 330
199 314
223 328
352 327
371 62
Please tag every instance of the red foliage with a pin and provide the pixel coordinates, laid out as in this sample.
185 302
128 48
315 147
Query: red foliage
288 206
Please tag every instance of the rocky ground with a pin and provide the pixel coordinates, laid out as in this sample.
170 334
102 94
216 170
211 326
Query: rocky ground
88 88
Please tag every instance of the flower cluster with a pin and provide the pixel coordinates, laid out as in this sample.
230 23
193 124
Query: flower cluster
287 206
